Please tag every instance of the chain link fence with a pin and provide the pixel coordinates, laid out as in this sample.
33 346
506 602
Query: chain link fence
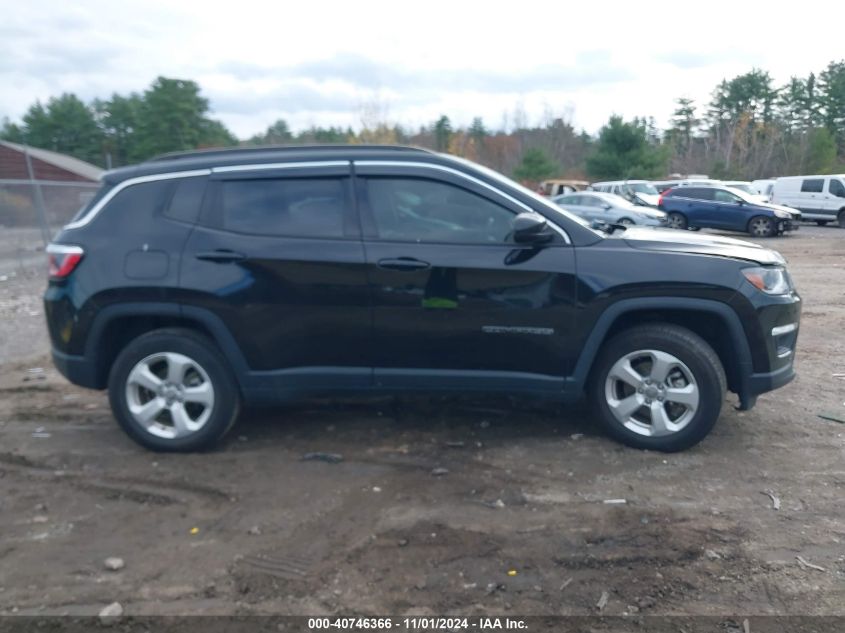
22 203
31 213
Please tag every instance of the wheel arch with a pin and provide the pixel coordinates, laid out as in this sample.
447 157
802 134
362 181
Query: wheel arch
117 325
707 318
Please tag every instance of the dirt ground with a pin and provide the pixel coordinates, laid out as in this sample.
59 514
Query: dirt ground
252 528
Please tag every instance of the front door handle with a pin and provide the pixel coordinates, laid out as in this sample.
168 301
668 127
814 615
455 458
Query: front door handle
222 256
408 264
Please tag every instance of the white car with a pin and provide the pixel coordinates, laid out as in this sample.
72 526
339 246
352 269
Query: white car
640 192
746 187
764 187
819 198
609 208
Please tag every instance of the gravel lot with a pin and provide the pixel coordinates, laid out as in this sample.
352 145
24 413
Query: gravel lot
252 528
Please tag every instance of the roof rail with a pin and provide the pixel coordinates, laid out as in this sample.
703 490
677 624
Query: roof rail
240 151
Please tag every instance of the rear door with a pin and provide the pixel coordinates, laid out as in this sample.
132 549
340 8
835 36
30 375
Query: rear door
701 210
456 302
278 259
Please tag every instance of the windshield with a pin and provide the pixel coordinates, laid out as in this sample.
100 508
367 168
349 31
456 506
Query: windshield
544 202
643 187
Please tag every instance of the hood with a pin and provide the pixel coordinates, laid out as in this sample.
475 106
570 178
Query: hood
673 240
780 207
649 212
650 199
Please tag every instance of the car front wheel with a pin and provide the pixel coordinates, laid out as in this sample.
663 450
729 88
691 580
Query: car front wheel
658 386
761 226
171 390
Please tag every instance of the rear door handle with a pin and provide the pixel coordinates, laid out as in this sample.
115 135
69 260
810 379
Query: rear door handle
222 256
403 263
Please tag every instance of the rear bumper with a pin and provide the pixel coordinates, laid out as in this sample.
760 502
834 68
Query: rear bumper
77 369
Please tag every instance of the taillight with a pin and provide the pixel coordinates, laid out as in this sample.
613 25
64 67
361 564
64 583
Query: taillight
63 259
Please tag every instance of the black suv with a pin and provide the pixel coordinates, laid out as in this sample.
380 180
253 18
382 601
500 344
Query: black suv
195 282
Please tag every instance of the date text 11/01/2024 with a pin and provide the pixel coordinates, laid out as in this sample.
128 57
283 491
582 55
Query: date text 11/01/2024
417 624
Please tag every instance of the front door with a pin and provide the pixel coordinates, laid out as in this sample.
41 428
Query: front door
453 296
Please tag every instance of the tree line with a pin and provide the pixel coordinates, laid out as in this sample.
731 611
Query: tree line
750 128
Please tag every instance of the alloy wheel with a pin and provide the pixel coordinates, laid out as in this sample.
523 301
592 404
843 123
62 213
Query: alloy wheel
652 393
170 395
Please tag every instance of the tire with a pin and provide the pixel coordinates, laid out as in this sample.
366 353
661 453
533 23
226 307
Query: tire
841 218
625 221
687 360
172 390
761 226
822 222
677 221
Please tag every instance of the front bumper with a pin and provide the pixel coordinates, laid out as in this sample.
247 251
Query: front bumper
788 225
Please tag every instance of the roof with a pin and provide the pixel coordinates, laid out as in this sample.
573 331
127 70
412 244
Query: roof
207 159
62 161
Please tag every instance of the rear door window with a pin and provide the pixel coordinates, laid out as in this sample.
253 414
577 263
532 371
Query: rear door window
812 185
724 196
293 207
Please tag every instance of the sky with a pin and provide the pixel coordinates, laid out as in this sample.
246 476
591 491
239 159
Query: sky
329 62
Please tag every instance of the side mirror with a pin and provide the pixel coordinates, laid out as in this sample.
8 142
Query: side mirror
531 228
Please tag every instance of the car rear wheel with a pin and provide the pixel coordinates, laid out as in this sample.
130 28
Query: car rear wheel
841 219
676 221
658 387
821 222
171 390
761 226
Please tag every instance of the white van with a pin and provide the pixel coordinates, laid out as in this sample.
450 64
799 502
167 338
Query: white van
819 198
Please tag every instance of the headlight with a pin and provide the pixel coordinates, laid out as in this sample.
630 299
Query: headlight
783 214
773 281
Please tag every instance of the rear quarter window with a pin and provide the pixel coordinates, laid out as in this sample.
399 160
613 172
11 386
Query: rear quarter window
185 199
101 193
133 208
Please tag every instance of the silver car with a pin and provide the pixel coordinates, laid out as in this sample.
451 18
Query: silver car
609 208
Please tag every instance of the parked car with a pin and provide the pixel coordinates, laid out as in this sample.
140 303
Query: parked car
609 208
560 186
639 192
665 185
198 282
747 188
820 198
726 208
764 187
